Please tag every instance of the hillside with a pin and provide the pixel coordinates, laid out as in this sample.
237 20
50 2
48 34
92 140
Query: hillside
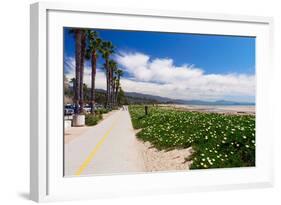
139 98
133 97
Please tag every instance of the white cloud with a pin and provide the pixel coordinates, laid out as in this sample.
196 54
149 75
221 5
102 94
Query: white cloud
161 77
100 75
158 70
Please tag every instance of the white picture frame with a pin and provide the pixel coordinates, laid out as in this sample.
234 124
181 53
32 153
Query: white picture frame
46 179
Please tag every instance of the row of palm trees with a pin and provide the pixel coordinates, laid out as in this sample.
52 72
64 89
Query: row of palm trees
88 45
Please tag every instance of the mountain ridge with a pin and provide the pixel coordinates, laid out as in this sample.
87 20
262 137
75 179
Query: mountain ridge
180 101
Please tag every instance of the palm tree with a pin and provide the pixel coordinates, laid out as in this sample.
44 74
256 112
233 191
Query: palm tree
107 49
114 89
78 40
112 68
80 47
72 80
82 61
92 53
119 73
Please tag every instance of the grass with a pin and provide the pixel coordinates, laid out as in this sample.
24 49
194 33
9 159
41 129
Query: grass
218 140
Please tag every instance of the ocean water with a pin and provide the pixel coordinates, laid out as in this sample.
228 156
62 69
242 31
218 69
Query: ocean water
221 108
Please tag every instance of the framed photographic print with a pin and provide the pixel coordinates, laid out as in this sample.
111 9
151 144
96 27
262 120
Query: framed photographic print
127 102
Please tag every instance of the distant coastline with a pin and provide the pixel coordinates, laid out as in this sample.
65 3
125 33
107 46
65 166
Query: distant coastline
139 97
222 109
215 103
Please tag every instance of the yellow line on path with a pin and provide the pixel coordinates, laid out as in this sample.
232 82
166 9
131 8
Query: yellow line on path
94 151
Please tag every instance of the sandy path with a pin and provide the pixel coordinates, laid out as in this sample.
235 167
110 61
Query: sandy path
107 148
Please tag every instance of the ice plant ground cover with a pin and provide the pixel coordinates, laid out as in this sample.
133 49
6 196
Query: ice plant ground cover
218 140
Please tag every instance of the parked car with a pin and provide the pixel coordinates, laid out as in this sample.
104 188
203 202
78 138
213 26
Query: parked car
68 109
87 108
99 106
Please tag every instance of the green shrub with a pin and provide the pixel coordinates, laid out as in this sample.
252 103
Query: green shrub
103 111
218 140
91 119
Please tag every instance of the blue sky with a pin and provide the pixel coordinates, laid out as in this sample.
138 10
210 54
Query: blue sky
208 61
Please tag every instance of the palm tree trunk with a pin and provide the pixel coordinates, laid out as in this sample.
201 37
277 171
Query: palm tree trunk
113 93
109 89
93 91
117 88
82 60
78 37
111 86
107 83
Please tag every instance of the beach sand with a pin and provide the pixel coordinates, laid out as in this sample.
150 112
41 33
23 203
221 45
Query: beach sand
240 109
161 160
